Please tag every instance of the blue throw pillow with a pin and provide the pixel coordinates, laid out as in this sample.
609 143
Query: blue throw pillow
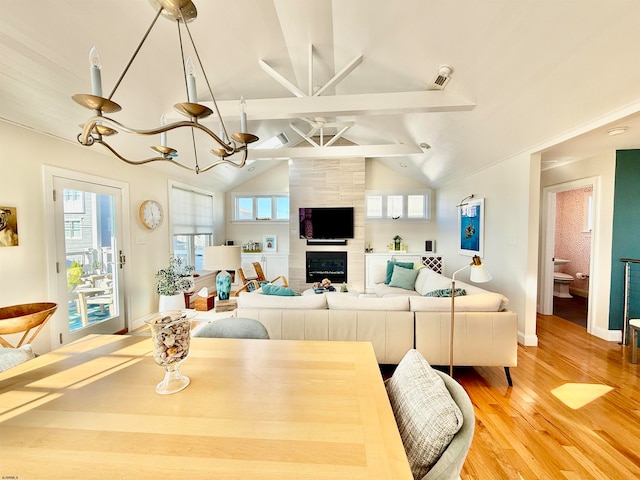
403 277
391 264
445 292
271 289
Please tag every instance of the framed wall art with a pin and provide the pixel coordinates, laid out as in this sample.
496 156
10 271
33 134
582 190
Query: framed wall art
270 243
8 227
471 228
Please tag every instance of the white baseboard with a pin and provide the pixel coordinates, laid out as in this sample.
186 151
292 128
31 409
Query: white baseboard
527 340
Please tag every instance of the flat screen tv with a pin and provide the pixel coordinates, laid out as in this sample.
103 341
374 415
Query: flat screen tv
326 223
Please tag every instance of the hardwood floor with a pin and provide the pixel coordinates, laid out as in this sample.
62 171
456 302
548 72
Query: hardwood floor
526 432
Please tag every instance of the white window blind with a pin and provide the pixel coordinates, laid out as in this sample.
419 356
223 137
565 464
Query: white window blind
191 212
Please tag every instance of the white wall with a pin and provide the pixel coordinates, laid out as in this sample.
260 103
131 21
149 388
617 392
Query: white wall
508 239
603 168
380 233
274 180
24 269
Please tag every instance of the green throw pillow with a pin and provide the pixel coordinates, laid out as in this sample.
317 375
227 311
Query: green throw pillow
403 277
391 264
445 292
271 289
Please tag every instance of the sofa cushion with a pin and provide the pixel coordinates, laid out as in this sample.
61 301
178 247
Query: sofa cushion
426 415
428 281
271 289
10 357
483 302
341 301
258 300
382 290
403 277
391 264
445 292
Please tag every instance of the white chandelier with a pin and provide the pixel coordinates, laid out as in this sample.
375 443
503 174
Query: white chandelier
99 127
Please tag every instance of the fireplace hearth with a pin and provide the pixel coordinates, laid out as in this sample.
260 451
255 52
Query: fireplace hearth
331 265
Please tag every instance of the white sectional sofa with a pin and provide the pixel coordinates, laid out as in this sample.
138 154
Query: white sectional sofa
395 320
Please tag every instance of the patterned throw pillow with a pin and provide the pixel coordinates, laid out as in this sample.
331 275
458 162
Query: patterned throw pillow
445 292
10 357
426 415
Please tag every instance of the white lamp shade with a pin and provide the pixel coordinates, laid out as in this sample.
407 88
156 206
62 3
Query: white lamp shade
479 274
222 257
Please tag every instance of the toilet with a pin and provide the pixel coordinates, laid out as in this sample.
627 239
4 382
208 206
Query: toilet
561 280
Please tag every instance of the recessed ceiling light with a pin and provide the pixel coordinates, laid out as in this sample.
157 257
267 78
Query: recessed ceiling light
403 165
612 132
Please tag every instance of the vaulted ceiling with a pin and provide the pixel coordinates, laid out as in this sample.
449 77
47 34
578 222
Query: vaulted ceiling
527 76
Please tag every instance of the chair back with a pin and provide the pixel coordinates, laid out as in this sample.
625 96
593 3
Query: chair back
449 465
232 328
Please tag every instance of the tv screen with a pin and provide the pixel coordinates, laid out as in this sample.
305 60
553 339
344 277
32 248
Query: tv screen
326 223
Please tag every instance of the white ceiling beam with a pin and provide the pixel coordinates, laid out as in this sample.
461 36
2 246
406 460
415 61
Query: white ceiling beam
335 151
306 136
338 77
280 79
345 105
338 135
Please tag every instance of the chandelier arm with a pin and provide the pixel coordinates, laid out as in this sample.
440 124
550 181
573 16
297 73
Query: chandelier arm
224 161
206 79
135 53
132 162
85 137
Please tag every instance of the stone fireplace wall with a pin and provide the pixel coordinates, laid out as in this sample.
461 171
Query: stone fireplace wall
327 183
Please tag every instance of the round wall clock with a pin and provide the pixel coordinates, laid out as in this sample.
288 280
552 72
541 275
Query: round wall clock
151 214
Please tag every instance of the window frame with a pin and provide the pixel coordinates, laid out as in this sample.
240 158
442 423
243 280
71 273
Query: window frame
208 236
385 195
274 198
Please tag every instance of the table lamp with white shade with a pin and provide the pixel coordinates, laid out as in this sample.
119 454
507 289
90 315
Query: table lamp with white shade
478 274
222 258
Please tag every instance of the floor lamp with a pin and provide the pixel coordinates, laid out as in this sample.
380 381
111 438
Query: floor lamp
479 274
222 258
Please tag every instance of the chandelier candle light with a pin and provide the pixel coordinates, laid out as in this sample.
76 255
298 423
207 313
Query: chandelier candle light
99 127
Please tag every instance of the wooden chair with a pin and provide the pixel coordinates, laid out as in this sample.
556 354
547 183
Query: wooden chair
252 277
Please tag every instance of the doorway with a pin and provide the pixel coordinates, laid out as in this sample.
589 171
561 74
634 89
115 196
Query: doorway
569 210
88 247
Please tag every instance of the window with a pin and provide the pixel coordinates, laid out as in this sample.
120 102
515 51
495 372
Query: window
192 224
73 229
72 201
252 208
406 206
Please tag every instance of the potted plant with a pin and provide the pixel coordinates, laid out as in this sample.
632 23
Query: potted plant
172 282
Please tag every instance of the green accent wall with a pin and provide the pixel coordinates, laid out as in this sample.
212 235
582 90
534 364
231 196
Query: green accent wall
626 234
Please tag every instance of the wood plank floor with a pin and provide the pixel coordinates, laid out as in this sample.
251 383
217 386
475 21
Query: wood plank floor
527 432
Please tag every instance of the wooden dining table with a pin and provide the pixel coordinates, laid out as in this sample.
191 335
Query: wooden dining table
255 409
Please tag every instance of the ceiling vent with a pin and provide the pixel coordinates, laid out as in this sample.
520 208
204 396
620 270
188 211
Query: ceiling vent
442 79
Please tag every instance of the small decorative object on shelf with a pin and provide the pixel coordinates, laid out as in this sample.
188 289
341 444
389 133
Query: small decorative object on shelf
344 288
251 247
397 242
170 332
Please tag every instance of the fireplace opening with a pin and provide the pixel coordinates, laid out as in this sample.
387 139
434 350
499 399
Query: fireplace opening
331 265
